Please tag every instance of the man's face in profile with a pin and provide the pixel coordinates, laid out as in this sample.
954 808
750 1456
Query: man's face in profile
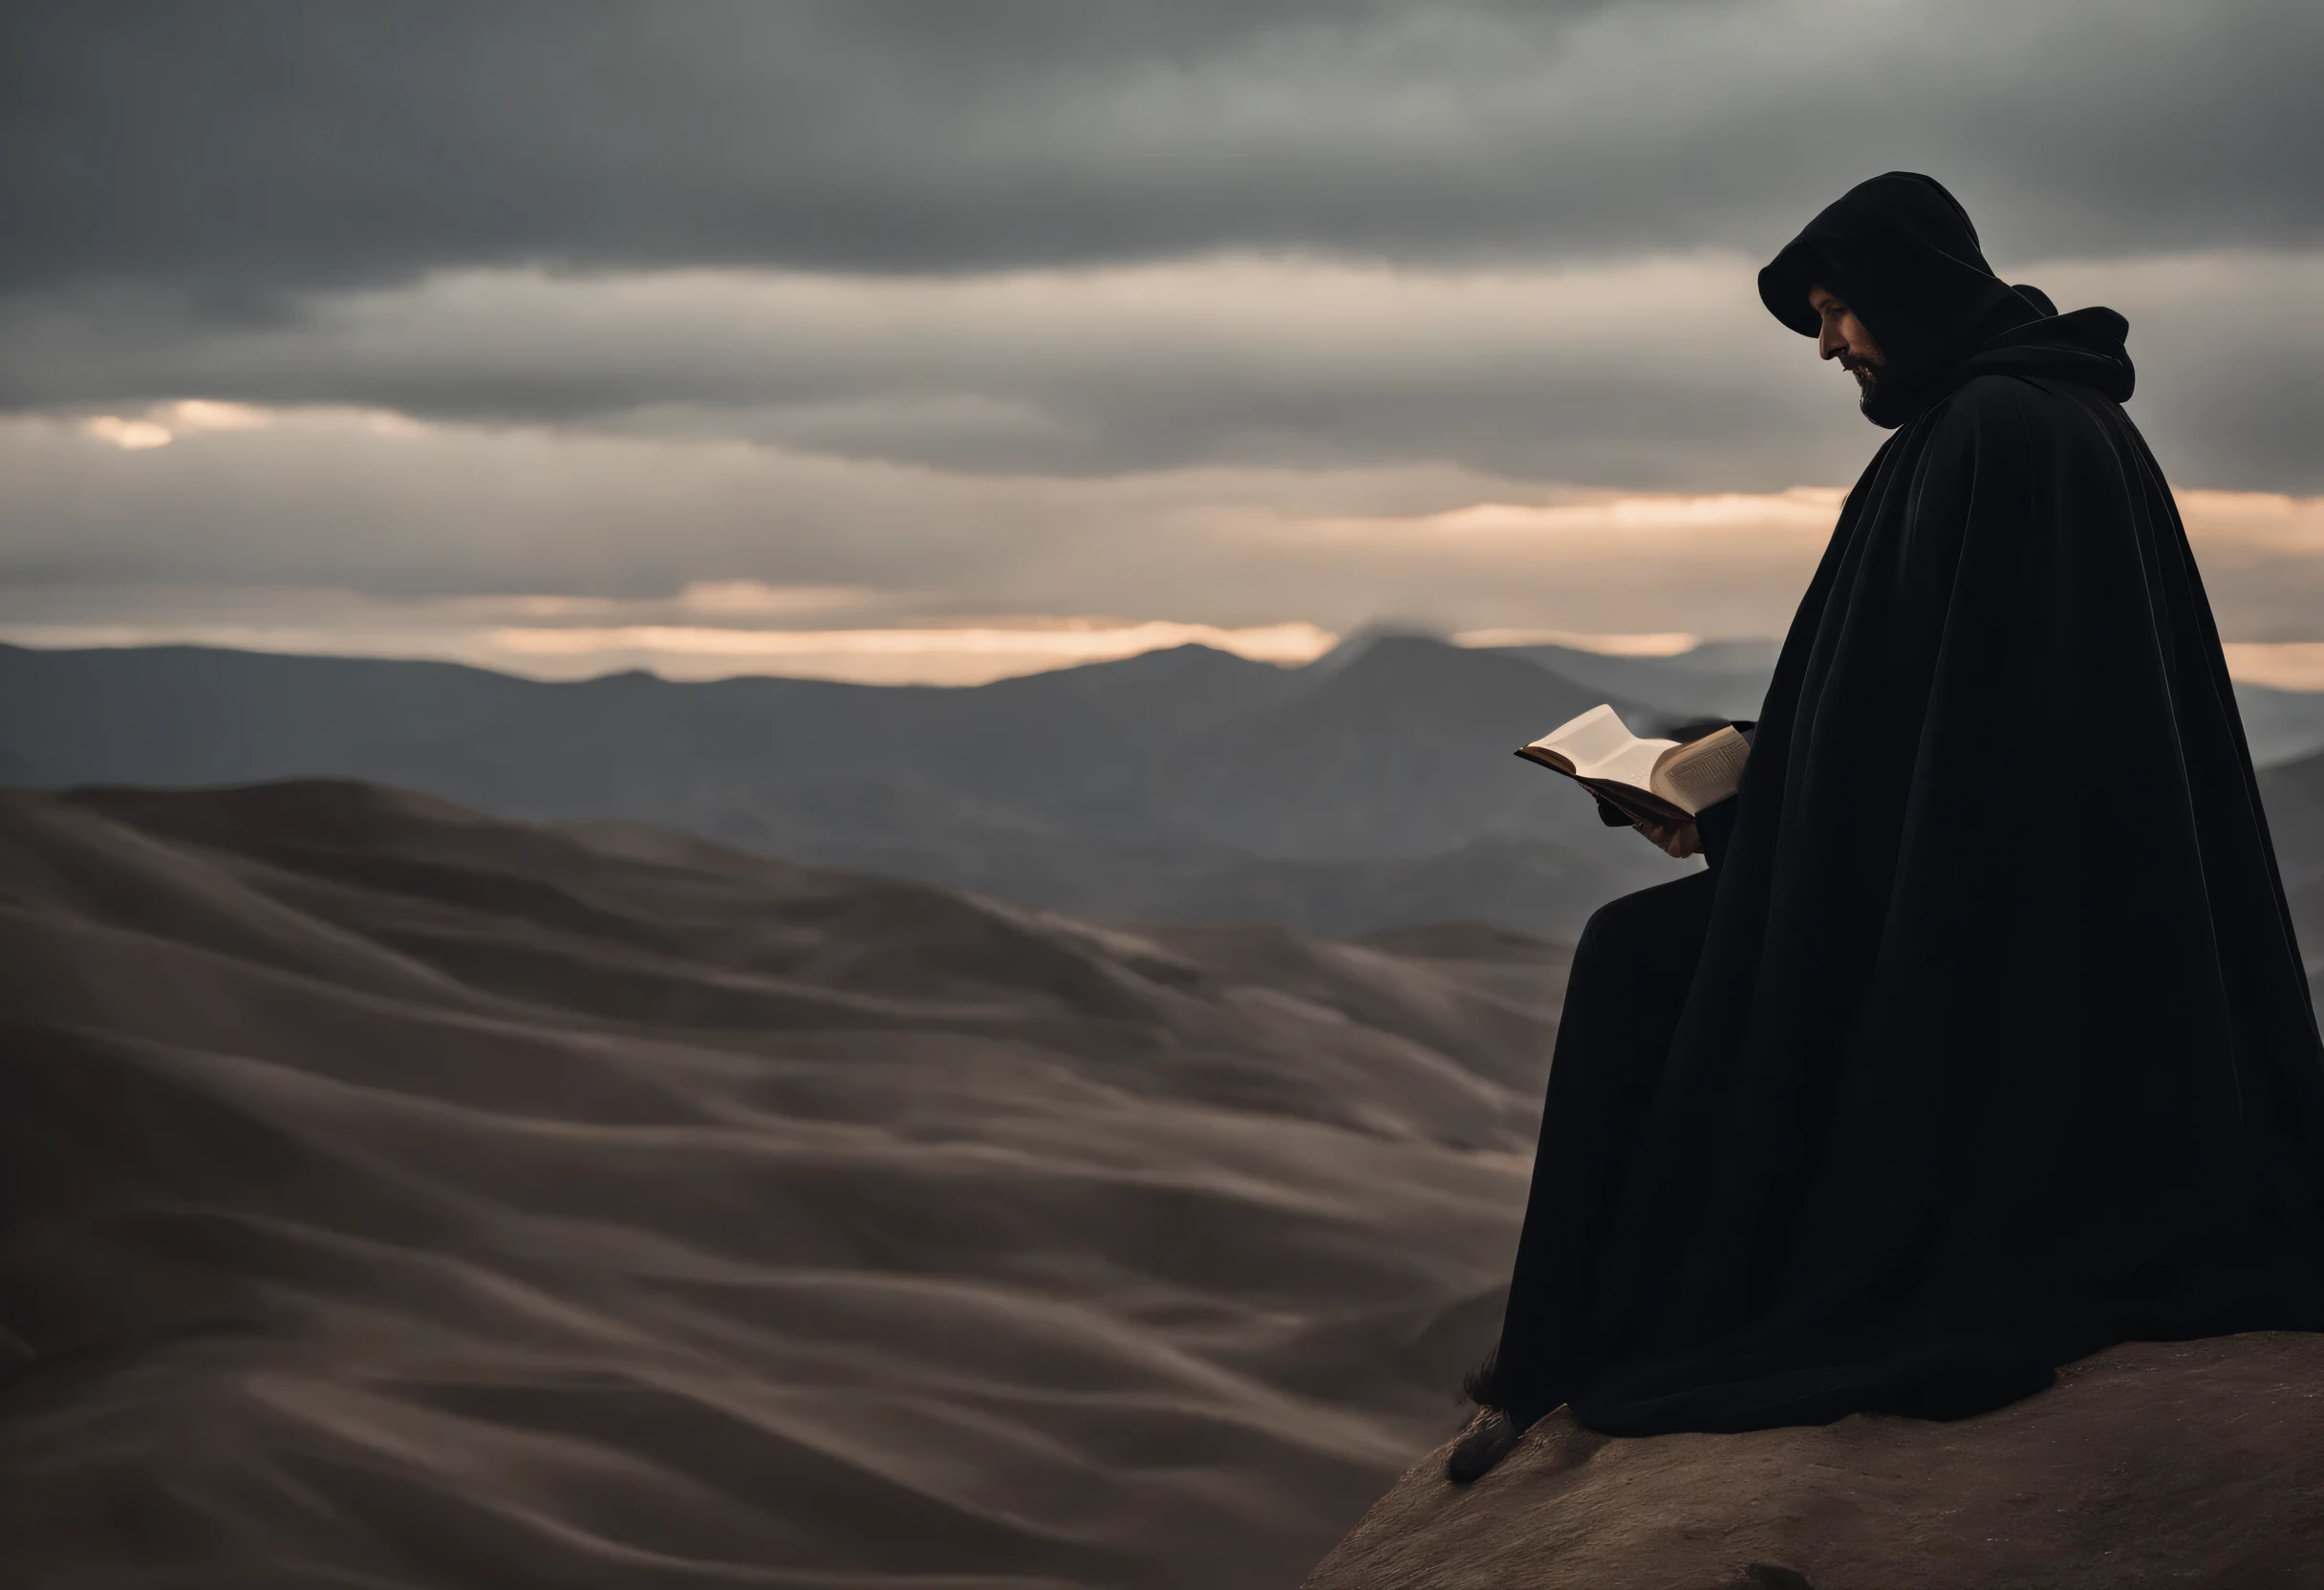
1846 338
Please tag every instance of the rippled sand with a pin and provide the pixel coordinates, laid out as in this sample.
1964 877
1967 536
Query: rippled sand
398 1196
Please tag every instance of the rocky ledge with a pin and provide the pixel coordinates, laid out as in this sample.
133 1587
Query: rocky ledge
2194 1465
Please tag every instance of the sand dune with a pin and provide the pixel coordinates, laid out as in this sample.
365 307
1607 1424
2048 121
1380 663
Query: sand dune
399 1196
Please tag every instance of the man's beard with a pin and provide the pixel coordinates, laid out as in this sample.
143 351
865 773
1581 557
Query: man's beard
1867 384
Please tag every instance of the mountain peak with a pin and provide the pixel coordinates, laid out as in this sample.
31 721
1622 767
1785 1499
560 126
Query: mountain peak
1360 643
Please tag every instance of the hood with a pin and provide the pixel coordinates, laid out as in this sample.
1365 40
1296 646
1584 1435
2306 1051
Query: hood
1901 251
1905 255
2086 347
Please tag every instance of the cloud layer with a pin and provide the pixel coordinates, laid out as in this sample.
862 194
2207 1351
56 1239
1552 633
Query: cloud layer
327 319
284 529
1662 373
248 145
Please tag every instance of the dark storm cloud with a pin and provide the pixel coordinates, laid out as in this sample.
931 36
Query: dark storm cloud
1661 374
239 147
1658 374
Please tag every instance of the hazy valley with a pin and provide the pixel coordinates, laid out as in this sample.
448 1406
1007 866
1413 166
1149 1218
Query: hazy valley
1374 789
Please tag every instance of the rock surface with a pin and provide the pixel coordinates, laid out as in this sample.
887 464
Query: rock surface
2196 1465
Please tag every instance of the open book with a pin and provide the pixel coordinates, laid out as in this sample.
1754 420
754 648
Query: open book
1661 780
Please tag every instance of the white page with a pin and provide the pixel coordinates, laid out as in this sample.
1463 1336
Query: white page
1601 746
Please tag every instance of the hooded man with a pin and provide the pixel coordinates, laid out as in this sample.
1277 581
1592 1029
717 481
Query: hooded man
1984 1042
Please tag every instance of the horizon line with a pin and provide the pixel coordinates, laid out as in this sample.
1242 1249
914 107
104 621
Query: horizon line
2295 667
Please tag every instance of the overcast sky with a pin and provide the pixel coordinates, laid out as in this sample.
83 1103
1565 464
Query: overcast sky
940 338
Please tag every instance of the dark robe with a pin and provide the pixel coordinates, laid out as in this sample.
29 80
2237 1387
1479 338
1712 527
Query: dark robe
1984 1042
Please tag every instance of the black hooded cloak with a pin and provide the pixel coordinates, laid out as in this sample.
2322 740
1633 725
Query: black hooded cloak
1985 1043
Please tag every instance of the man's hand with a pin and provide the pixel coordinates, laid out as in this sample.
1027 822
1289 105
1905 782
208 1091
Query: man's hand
1677 839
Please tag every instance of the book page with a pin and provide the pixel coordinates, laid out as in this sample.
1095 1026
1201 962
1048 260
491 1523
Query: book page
1601 746
1701 772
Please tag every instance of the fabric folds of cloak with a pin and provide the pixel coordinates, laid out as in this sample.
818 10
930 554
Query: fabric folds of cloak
1995 1045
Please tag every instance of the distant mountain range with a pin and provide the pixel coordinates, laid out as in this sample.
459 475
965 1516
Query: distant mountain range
1371 789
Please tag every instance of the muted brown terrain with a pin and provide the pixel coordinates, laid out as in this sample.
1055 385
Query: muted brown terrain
2194 1465
399 1196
